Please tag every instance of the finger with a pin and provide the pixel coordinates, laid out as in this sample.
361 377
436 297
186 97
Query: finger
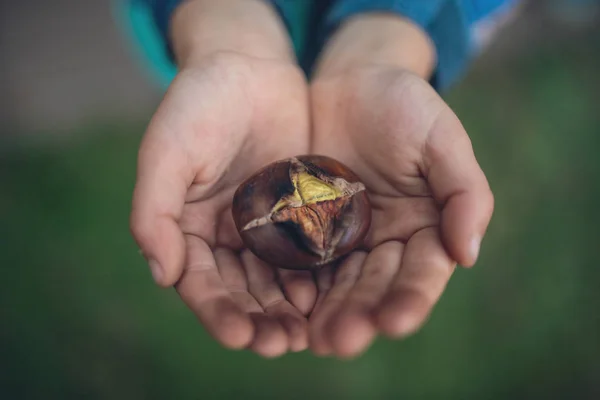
235 281
353 329
158 198
324 280
269 337
293 322
345 278
203 291
418 285
300 289
458 182
263 285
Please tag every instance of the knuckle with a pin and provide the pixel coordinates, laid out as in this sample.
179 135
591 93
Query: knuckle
140 229
489 203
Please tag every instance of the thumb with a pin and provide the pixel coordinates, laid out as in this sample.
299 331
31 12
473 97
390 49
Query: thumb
158 200
458 183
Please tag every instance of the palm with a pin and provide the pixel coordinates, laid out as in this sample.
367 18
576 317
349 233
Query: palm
384 124
231 118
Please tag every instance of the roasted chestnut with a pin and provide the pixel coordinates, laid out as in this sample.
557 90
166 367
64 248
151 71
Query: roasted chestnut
302 213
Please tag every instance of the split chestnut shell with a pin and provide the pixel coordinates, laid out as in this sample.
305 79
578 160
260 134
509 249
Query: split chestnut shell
302 213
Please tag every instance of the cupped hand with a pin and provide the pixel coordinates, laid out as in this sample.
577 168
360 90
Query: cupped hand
221 120
431 204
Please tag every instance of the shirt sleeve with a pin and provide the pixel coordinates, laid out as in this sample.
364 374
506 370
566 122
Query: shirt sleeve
145 26
449 23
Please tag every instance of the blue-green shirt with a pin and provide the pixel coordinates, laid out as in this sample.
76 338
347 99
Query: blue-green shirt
455 26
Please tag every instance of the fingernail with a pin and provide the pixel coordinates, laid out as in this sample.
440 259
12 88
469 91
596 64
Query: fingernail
475 246
156 270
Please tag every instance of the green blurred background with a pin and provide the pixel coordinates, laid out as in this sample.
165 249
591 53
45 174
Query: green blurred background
81 318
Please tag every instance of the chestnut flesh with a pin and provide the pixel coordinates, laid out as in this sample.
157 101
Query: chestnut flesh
302 213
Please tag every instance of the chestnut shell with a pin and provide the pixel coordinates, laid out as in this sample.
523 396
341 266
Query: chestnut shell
284 244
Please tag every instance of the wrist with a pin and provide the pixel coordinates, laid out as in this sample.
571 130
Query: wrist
201 28
378 39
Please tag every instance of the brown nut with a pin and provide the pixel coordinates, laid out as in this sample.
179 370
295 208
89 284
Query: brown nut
302 213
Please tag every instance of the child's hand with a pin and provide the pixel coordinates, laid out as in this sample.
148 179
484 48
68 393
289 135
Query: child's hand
431 201
228 113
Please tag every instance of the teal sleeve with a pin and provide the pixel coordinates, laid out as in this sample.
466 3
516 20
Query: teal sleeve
137 22
311 23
